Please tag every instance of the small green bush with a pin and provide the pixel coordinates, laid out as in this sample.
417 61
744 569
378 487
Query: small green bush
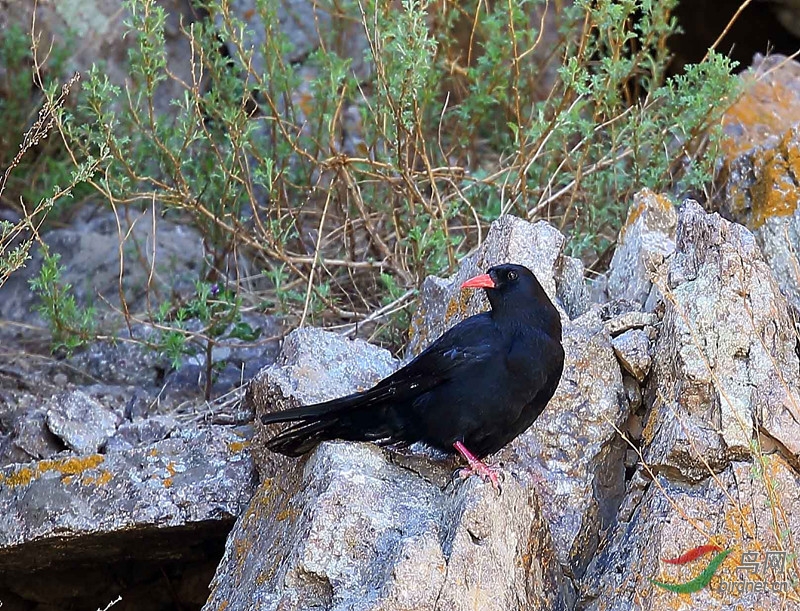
347 190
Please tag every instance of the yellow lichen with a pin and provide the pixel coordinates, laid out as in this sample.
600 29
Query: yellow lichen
20 477
237 446
74 465
101 479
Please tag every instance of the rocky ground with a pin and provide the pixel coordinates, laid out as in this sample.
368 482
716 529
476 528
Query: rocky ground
676 425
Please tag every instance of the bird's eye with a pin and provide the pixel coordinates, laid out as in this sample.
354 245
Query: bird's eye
511 276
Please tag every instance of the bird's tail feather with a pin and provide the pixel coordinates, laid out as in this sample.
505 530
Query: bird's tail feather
365 424
307 412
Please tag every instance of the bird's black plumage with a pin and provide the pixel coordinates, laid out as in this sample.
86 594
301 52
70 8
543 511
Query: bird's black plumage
482 383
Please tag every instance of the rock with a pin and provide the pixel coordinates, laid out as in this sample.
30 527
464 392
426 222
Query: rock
573 454
726 364
538 246
94 507
306 25
748 508
761 177
99 28
630 320
646 238
351 530
131 435
633 352
82 423
34 438
316 365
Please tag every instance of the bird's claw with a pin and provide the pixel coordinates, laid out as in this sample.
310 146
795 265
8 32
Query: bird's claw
486 473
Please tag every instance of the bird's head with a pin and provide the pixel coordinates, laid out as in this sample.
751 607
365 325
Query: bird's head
514 290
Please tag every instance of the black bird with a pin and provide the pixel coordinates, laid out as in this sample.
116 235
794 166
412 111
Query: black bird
476 388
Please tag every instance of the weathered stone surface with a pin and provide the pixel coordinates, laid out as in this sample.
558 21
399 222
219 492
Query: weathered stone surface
747 508
141 432
94 30
762 173
316 365
60 510
633 349
538 246
82 423
356 532
572 454
646 238
349 528
726 364
34 438
303 23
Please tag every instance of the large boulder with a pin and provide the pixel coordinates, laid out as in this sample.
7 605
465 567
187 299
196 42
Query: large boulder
353 527
761 177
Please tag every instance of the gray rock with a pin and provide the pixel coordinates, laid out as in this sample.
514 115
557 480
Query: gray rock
539 246
760 178
316 365
663 519
34 438
130 435
82 423
633 349
349 530
646 238
55 511
573 454
630 320
725 365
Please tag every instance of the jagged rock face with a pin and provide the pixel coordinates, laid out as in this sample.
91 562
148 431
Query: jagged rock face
726 364
355 527
761 174
645 240
718 462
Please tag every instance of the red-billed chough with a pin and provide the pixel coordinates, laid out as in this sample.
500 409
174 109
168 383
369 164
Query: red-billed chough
476 388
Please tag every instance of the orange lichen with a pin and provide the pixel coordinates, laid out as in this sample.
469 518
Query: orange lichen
768 107
237 446
457 305
644 200
775 192
74 465
168 482
102 479
223 605
20 477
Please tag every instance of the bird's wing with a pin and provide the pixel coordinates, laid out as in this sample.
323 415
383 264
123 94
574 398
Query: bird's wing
466 345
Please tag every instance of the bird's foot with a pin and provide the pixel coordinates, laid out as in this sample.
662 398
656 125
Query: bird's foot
477 467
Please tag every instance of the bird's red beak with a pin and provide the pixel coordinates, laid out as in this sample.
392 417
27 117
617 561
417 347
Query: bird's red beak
484 281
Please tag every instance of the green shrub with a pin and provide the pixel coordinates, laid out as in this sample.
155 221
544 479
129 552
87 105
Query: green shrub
344 191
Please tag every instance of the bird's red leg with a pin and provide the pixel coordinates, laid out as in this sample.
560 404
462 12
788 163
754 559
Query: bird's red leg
476 466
